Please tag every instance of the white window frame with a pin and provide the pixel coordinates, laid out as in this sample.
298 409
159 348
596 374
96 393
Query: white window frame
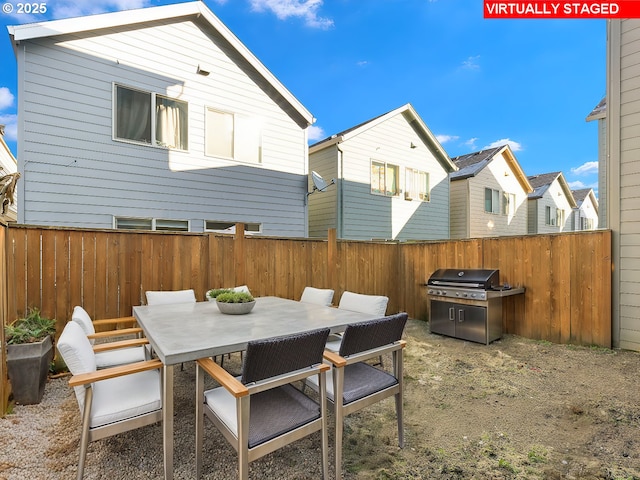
508 203
550 217
154 224
153 119
223 226
494 206
245 141
417 185
385 168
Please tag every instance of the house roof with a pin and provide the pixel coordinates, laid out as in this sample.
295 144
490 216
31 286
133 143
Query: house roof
582 194
412 117
471 164
543 181
176 12
599 112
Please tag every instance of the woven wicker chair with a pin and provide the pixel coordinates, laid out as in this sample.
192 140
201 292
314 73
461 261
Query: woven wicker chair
261 411
355 383
111 400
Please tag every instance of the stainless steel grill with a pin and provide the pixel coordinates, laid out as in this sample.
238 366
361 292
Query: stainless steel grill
467 303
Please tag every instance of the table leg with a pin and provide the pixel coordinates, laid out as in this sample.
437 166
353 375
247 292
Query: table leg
167 420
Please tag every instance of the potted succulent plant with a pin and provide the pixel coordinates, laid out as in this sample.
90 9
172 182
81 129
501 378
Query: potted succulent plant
235 303
29 355
213 293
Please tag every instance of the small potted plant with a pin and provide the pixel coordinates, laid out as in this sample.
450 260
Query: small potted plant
235 303
29 355
213 293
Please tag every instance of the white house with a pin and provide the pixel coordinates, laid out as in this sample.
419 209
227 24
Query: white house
550 205
488 195
392 181
156 118
585 215
599 114
8 169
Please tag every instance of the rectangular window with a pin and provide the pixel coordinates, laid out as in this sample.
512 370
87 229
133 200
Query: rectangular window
550 216
228 135
586 223
508 203
152 224
491 200
229 227
150 118
384 179
560 217
417 185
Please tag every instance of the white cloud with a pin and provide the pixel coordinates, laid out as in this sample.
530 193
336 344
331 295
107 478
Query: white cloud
11 126
316 133
362 63
471 63
305 9
588 168
76 8
6 98
471 143
446 138
515 146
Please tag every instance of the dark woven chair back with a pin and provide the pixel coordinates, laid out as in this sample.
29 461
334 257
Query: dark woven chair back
279 355
362 336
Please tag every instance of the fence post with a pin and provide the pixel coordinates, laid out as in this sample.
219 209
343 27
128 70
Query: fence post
4 281
332 259
240 255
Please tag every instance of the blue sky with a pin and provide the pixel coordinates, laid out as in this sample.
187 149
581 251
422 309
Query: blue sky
476 83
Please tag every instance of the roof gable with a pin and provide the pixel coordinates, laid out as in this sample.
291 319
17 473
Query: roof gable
583 194
174 12
472 164
411 116
543 181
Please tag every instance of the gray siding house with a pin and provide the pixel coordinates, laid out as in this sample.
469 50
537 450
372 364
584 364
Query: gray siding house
623 178
585 215
550 205
488 195
599 114
392 181
156 118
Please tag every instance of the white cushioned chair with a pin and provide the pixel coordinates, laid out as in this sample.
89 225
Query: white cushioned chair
358 302
317 296
355 383
111 400
261 411
110 354
166 297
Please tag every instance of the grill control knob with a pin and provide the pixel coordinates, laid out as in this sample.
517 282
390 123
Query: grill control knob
473 295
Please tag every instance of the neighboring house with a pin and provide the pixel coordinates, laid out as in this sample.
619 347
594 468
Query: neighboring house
599 113
488 195
156 118
623 178
392 181
550 205
8 169
585 215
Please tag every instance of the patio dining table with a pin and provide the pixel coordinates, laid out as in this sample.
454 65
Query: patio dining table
186 332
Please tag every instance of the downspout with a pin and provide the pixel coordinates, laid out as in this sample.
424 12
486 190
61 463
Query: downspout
339 196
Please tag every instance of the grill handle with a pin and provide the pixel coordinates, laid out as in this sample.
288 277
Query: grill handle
461 315
452 314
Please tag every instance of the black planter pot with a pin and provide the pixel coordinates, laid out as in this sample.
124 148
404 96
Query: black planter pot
28 366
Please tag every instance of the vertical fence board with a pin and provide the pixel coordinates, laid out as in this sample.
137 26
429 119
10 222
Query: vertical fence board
4 378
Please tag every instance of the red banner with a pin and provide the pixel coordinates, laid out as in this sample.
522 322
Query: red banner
562 9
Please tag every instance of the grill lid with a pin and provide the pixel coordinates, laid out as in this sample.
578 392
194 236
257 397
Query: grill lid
468 278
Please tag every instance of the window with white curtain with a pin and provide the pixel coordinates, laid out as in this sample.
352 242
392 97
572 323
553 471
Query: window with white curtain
233 136
384 179
417 185
154 224
508 203
150 118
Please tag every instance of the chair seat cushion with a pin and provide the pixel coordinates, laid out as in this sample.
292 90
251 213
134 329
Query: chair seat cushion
125 397
273 412
120 356
360 380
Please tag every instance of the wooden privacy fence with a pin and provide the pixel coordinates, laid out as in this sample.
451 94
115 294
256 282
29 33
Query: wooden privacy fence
567 276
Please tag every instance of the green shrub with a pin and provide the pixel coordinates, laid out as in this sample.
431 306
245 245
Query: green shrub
234 297
32 328
217 291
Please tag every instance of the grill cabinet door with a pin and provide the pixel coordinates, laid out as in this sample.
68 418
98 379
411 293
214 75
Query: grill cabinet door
471 323
442 319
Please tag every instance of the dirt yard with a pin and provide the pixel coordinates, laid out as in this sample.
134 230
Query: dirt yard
516 409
